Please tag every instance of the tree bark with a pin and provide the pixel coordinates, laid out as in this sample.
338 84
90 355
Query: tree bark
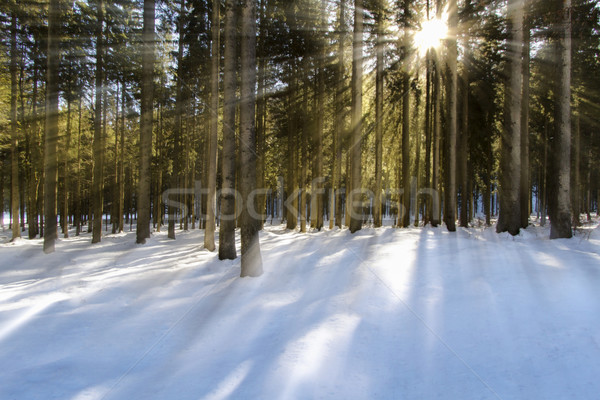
356 140
560 215
146 117
251 257
510 157
339 117
227 227
14 133
525 165
51 137
450 187
209 232
98 150
378 113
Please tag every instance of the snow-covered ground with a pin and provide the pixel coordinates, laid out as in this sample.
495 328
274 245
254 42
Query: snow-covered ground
416 313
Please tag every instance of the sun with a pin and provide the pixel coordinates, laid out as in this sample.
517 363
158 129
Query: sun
431 34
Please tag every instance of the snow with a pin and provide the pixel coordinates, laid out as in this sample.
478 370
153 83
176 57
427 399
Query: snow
416 313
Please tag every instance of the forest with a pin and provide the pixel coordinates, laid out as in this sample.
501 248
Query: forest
217 115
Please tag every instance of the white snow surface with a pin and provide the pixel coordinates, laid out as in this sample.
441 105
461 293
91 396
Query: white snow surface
416 313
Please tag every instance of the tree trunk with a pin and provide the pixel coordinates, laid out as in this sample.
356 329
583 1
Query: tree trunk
14 142
379 47
510 157
51 137
560 215
209 232
356 140
121 180
339 117
98 150
576 190
251 257
146 117
77 194
450 187
464 156
525 165
178 131
291 201
65 213
227 227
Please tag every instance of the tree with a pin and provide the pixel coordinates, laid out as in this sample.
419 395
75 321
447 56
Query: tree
227 228
209 232
450 187
356 112
560 211
510 156
379 47
51 137
525 164
14 142
251 257
98 175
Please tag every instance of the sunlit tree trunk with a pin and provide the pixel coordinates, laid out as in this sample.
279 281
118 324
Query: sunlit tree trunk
146 117
450 186
51 137
525 165
378 113
576 189
339 116
14 138
510 155
178 131
98 150
251 257
356 140
209 232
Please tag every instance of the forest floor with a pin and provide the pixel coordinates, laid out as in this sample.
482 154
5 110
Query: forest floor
386 313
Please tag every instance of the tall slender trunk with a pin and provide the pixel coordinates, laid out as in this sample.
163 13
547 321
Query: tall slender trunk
510 157
77 195
292 178
560 214
339 117
209 232
51 137
146 117
65 213
576 189
176 174
356 139
378 113
121 177
450 186
14 142
114 213
98 150
261 118
464 154
437 133
251 257
525 165
227 227
404 217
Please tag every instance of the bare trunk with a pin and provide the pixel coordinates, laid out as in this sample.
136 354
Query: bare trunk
378 115
450 187
98 150
356 140
525 166
560 215
227 227
209 232
510 157
14 138
51 137
146 117
339 118
251 257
